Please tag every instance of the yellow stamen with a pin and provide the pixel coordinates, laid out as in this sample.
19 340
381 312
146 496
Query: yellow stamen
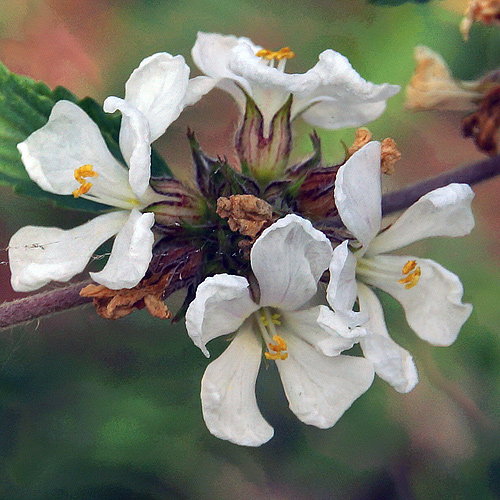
409 266
268 55
264 320
279 349
275 318
80 174
413 274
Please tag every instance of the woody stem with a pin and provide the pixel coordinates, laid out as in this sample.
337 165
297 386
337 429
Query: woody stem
46 303
470 174
42 304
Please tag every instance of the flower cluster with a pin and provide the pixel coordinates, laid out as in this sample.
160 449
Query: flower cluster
283 257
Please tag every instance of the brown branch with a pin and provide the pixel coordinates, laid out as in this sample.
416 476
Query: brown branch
470 174
42 304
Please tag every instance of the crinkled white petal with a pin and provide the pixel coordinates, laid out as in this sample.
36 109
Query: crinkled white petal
38 255
69 140
320 388
358 193
135 143
131 253
392 363
342 288
221 305
340 97
212 53
443 212
322 328
228 392
157 89
348 324
433 307
288 261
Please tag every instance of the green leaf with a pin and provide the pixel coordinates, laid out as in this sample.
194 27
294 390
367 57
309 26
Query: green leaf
25 106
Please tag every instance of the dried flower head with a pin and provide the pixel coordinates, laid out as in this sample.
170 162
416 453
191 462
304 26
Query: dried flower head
433 86
245 214
484 123
482 11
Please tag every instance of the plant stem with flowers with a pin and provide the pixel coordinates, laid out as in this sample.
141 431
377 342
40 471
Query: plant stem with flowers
252 246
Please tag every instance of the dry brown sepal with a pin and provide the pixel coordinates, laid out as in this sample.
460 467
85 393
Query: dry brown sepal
245 214
315 198
389 156
483 125
483 11
115 304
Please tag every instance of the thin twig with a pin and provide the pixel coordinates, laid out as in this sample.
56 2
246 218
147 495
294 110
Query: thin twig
470 174
42 304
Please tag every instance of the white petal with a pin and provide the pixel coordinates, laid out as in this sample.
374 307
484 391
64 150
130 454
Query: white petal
322 328
342 288
391 362
130 255
332 114
228 392
221 305
38 255
197 88
268 86
358 193
347 324
69 140
212 53
135 143
288 261
320 388
433 307
443 212
157 89
343 98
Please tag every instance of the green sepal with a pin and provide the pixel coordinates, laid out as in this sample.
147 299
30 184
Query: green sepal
216 178
264 157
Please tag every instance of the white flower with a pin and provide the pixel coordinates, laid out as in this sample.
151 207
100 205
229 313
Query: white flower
68 156
320 384
430 295
330 95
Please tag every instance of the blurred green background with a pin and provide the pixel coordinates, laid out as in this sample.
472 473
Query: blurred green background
92 409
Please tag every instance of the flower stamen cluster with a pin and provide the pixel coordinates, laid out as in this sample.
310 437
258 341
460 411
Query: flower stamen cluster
266 322
412 273
80 174
254 267
283 53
